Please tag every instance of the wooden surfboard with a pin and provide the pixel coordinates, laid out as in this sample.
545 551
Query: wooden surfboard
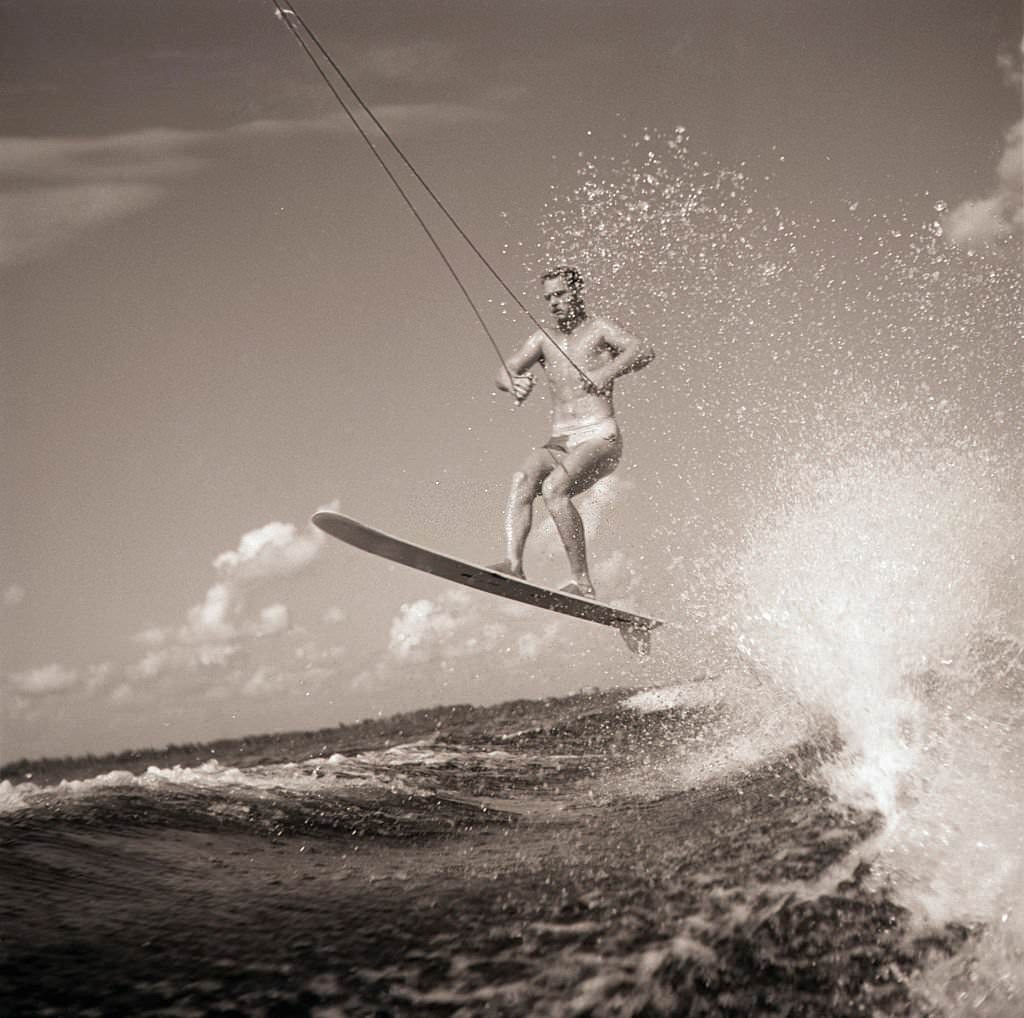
635 628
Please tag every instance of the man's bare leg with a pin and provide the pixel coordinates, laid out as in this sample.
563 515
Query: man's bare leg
569 525
518 521
526 484
578 470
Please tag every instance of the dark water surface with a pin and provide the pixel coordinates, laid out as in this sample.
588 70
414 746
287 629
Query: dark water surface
564 857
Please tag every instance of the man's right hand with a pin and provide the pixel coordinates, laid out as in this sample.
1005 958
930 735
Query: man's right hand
522 385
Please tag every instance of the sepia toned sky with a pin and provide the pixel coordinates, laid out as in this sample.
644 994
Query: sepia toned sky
218 317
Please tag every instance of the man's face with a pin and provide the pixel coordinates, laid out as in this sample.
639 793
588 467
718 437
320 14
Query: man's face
564 304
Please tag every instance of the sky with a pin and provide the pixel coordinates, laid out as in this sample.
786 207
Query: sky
218 317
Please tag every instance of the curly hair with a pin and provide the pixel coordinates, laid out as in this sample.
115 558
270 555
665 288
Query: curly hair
572 277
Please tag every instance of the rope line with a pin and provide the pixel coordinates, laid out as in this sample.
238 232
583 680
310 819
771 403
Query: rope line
286 13
387 169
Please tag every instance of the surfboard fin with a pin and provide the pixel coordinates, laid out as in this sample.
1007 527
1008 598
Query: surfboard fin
637 638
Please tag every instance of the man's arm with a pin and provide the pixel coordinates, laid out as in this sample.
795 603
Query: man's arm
514 376
629 353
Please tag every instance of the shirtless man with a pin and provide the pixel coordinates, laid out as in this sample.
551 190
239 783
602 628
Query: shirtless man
585 443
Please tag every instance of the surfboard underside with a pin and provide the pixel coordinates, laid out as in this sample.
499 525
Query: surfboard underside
635 628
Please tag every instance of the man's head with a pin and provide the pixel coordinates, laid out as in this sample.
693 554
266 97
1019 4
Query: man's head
563 291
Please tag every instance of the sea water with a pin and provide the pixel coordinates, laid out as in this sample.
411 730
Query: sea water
839 451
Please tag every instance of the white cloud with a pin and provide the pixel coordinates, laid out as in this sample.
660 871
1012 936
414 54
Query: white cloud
13 595
998 215
212 618
419 627
124 693
217 631
274 619
53 678
275 549
53 189
1012 66
260 683
98 676
314 653
153 664
155 636
143 155
229 645
185 659
458 624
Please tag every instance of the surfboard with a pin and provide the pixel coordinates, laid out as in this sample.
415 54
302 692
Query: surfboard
635 629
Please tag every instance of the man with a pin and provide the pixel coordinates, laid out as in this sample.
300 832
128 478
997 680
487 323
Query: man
585 444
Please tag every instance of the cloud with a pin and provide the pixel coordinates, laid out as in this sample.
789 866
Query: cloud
464 624
461 623
218 630
99 676
26 693
1012 66
212 618
422 625
122 694
273 550
261 683
53 189
155 636
14 595
235 643
1000 214
314 653
274 619
184 659
141 155
53 678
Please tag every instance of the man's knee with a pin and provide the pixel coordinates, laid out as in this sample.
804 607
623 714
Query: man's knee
555 487
524 486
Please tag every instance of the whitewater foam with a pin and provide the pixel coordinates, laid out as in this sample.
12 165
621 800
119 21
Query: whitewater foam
381 769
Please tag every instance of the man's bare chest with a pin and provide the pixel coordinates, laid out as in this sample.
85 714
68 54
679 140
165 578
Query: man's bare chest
585 346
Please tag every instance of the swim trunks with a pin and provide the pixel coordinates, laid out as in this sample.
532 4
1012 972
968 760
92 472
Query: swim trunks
606 428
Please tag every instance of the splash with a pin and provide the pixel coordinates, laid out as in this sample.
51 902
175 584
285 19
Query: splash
764 307
884 591
848 388
892 549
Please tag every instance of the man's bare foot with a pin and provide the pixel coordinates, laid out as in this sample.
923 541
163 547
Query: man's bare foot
504 566
578 589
